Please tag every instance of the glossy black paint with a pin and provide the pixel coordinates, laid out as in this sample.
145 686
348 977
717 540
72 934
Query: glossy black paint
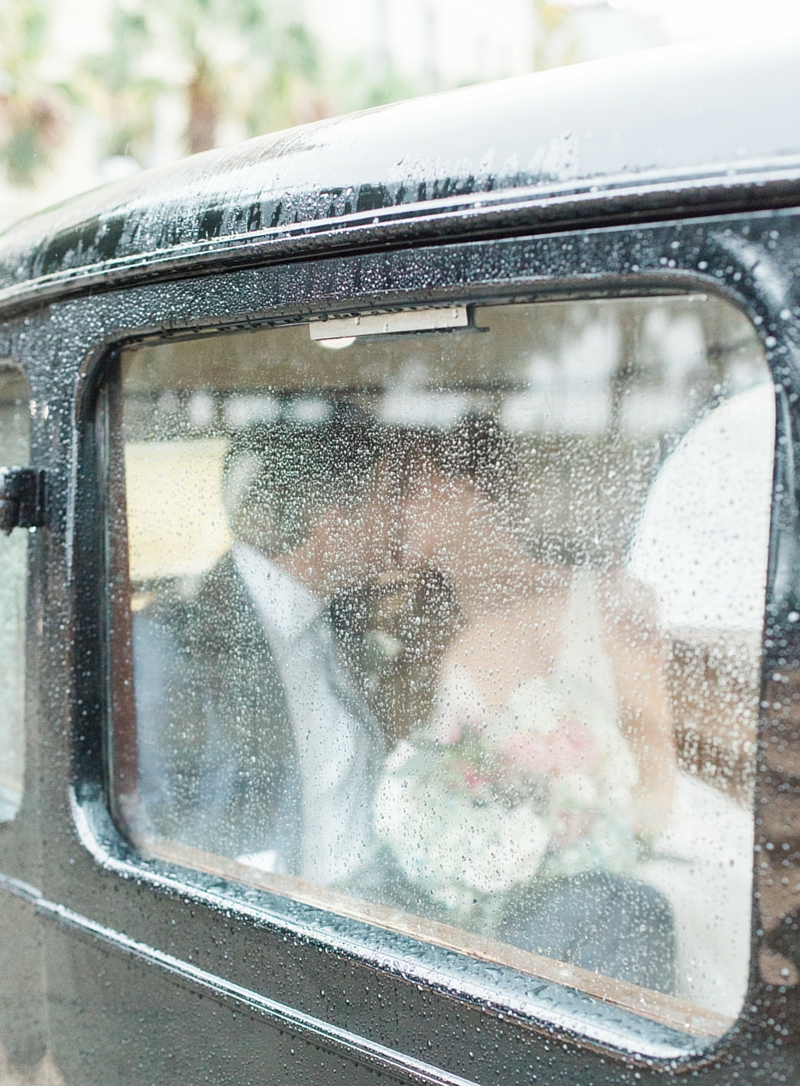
401 1007
130 970
675 131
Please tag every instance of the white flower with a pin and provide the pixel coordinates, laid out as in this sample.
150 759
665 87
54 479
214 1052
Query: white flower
446 841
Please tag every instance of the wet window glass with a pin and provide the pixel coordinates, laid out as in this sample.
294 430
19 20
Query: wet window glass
451 621
14 450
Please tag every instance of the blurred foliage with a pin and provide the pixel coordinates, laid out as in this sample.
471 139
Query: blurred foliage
115 88
569 33
33 112
249 59
227 69
187 75
554 19
354 84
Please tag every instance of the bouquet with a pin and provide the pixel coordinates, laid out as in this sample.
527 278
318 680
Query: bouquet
481 804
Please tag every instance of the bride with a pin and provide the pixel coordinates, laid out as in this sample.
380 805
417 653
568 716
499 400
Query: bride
522 807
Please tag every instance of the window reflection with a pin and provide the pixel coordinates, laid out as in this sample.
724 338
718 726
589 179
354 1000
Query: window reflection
464 625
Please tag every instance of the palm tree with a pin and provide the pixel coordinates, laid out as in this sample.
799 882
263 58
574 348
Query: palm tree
228 60
33 113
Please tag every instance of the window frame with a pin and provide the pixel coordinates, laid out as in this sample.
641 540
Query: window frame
656 271
668 1010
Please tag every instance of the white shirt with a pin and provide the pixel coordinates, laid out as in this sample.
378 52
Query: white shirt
337 752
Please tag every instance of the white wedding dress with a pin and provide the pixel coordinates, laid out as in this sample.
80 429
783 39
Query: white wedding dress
450 835
451 838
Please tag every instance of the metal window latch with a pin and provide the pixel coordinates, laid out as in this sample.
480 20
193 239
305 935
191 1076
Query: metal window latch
21 499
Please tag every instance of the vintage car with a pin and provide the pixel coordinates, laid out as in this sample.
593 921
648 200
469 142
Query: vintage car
400 596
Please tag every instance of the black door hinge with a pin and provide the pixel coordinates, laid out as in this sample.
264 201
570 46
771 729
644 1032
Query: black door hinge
21 499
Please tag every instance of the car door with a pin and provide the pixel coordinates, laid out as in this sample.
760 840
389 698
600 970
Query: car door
617 403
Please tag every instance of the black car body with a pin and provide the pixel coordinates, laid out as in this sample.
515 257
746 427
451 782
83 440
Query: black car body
671 174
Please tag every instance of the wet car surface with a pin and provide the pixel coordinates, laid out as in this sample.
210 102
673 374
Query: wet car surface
584 284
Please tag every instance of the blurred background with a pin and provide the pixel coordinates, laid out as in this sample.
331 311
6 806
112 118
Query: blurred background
93 90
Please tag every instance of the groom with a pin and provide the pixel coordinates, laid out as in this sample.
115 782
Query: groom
253 742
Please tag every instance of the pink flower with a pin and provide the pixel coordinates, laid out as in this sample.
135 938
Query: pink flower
572 746
474 778
573 826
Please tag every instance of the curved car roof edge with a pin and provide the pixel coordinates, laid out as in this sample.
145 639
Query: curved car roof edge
658 118
502 214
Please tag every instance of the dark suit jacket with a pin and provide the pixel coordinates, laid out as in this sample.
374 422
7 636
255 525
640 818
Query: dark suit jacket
218 763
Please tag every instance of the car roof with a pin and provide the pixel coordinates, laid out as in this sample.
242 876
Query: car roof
680 130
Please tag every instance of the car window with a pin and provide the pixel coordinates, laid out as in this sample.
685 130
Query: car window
14 450
450 620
